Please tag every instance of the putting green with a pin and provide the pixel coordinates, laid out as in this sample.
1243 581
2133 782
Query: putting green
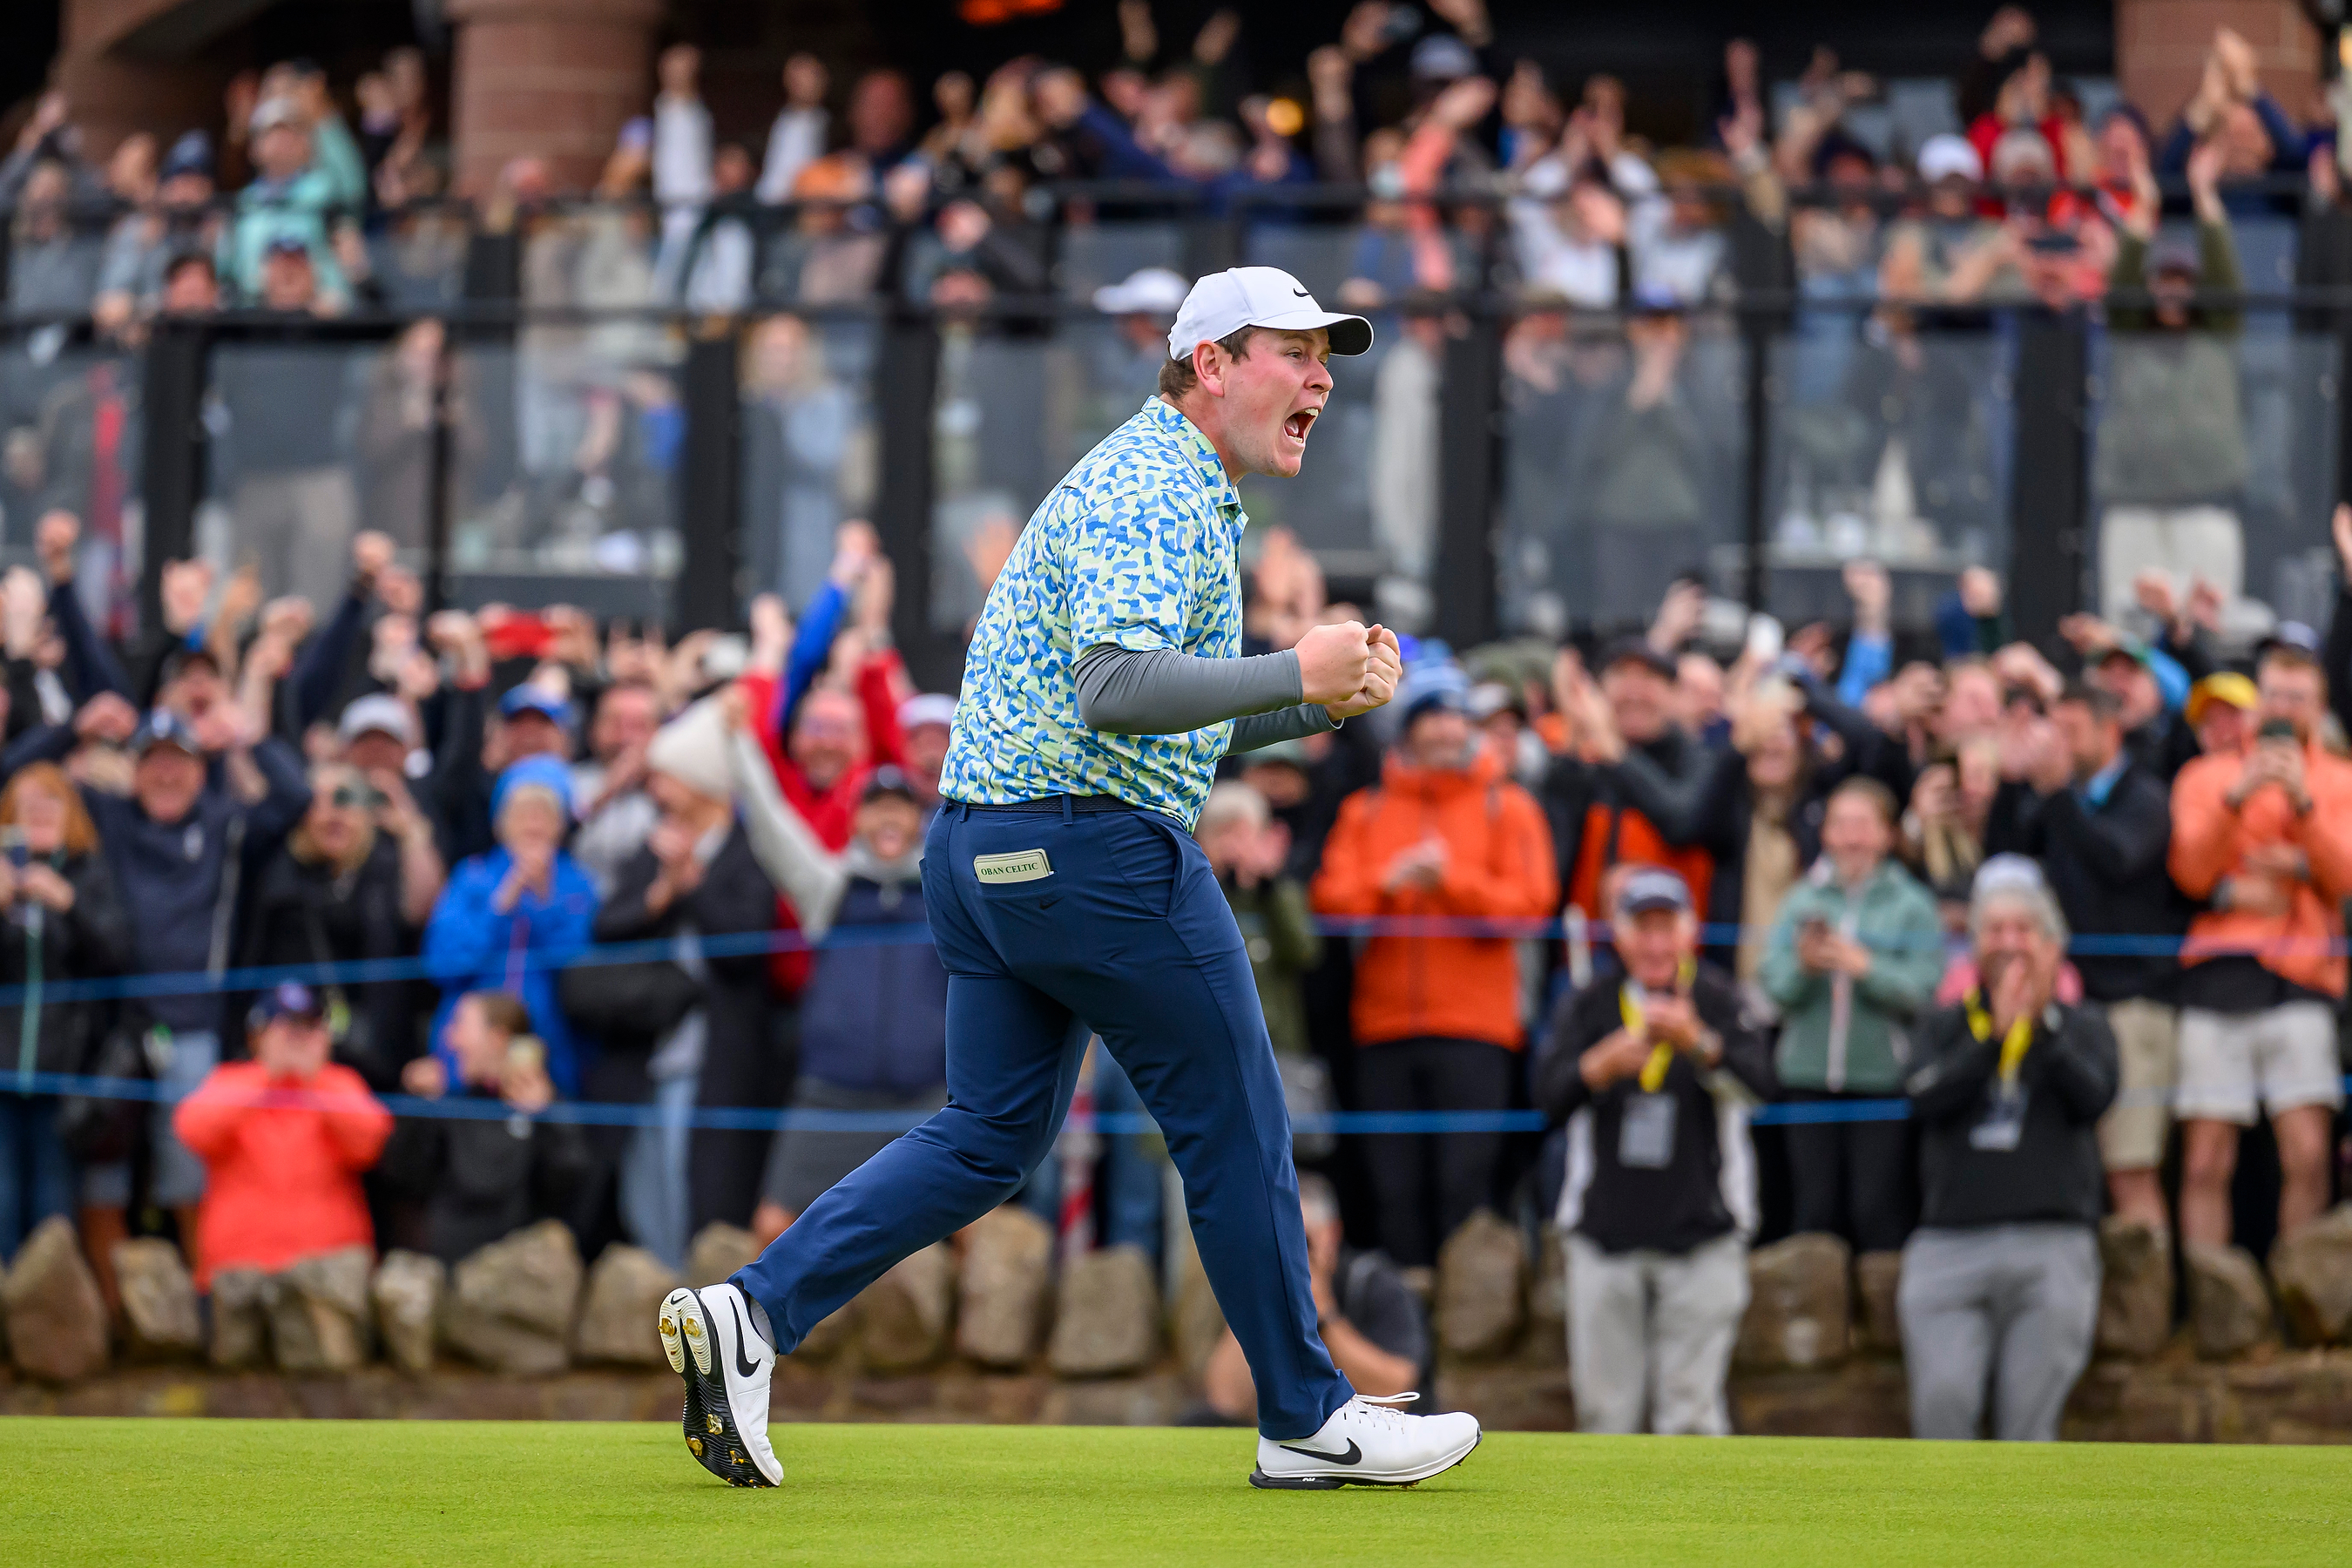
275 1492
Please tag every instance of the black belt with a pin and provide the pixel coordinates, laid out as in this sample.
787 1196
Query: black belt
1081 804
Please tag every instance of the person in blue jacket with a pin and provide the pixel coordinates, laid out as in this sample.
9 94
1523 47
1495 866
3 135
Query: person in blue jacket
509 918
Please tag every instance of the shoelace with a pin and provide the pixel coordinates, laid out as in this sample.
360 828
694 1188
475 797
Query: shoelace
1381 1409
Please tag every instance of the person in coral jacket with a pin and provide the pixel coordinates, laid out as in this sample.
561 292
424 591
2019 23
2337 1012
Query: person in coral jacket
284 1137
2265 838
1443 835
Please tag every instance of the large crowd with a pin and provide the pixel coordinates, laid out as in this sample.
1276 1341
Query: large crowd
1912 217
1643 887
1640 883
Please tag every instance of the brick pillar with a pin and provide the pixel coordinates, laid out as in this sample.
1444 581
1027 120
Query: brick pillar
554 78
2161 51
114 94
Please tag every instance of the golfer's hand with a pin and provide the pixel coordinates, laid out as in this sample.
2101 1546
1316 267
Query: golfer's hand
1381 678
1333 661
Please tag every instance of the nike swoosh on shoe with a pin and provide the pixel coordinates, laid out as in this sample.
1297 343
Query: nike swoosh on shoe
1354 1455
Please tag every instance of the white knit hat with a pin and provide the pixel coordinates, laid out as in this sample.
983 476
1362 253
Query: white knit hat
692 749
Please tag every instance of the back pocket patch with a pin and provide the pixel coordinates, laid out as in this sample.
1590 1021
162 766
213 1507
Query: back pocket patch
1021 866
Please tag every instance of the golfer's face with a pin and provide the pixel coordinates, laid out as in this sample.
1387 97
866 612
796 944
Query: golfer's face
1274 393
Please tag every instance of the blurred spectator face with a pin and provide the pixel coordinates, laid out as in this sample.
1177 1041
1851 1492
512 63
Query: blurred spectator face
1856 836
530 734
828 737
1653 944
42 201
186 192
829 182
1498 733
190 289
375 749
1642 701
338 820
2174 289
2133 685
2091 742
532 820
1852 177
165 782
731 170
1773 754
1284 784
1971 703
1699 681
779 354
292 1047
2009 932
889 825
880 112
625 720
479 1044
1977 774
1061 95
1127 91
926 746
2292 689
2120 145
1439 738
679 801
806 81
282 152
42 811
288 282
2223 730
193 691
678 71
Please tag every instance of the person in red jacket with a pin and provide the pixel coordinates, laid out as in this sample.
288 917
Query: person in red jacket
1444 836
284 1137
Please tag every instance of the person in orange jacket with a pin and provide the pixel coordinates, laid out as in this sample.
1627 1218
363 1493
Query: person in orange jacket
284 1137
1443 835
2265 836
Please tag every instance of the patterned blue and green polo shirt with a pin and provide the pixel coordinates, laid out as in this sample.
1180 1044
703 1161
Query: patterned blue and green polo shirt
1138 546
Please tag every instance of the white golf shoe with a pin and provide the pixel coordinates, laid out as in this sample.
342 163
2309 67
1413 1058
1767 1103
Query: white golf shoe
1368 1442
709 1338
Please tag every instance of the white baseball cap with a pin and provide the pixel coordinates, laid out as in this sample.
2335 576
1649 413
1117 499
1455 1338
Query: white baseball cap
1153 291
1945 156
1222 303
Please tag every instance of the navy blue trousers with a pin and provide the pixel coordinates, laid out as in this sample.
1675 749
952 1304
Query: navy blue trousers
1129 938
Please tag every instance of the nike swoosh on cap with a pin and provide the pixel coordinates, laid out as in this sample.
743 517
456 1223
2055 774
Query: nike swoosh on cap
744 1364
1302 293
1353 1455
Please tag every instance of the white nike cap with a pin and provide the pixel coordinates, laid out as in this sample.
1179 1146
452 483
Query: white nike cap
1222 303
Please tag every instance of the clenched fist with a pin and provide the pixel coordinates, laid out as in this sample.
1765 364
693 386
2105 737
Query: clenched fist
1333 661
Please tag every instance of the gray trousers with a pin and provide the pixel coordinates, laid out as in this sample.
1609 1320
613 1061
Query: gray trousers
2006 1311
1655 1330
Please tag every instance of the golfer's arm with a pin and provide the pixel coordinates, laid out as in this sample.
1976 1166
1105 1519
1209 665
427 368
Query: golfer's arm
1161 691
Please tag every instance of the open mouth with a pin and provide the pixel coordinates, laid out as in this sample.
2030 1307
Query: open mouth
1298 424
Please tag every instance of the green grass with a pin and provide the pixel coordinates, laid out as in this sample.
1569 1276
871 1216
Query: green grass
269 1492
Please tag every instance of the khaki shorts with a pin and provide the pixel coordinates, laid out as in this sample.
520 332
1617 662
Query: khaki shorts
2148 1053
2283 1056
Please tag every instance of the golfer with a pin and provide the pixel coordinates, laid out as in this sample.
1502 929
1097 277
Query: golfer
1067 897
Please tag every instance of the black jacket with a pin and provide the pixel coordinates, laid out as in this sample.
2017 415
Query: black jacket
89 940
1679 1205
303 912
483 1179
2106 864
2068 1080
740 1065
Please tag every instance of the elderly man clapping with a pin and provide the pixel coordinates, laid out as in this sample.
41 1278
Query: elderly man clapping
2000 1283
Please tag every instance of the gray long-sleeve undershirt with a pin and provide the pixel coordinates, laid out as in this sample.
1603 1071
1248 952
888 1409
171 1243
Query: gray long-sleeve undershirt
1159 691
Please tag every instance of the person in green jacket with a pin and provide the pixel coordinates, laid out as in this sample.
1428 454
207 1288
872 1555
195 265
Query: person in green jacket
1246 849
1853 963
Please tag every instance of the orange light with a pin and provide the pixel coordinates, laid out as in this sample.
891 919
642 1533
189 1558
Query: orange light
993 12
1284 117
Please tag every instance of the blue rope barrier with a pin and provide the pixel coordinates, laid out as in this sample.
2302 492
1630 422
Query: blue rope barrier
742 945
760 1119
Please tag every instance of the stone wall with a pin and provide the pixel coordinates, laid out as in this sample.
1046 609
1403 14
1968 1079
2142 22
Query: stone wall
984 1331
